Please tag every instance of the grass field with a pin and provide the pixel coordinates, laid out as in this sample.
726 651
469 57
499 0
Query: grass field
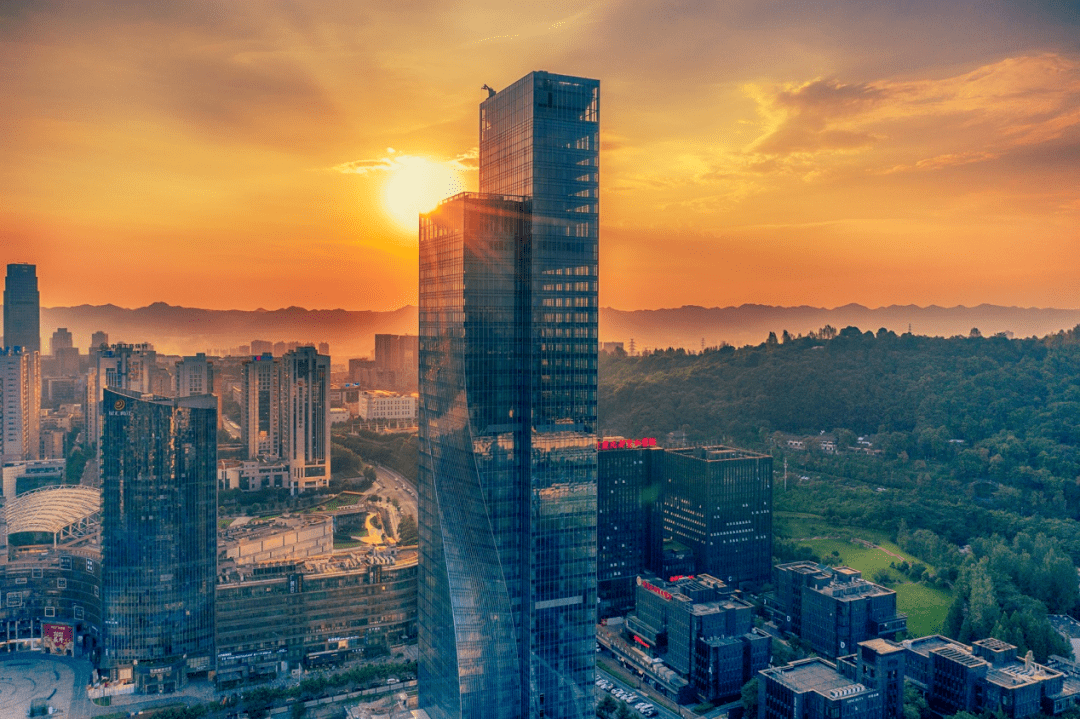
925 606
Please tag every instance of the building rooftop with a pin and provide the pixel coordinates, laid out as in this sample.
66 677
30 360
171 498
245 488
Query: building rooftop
65 511
960 656
814 675
882 646
924 645
717 453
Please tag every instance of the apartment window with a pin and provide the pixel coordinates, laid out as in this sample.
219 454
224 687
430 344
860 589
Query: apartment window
61 583
50 611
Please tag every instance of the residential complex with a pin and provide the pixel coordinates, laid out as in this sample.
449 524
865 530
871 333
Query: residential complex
20 404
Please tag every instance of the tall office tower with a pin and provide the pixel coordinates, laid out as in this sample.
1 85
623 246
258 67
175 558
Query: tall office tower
305 402
158 537
20 404
627 529
717 502
194 375
260 406
67 362
508 343
61 339
261 347
22 308
99 338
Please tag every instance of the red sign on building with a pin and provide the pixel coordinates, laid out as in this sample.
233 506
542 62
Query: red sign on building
57 638
627 443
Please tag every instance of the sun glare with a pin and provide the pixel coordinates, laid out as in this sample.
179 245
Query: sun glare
417 185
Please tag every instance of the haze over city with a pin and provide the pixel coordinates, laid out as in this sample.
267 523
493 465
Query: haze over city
276 154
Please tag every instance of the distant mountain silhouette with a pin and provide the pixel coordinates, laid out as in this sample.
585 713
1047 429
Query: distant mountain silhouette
751 324
186 330
351 333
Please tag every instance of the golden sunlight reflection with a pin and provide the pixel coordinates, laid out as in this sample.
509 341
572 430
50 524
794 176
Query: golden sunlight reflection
417 184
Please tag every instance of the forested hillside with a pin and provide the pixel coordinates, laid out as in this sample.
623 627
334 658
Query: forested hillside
974 437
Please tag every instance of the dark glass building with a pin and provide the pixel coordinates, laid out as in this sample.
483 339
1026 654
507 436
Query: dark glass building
627 529
159 537
22 308
717 501
507 415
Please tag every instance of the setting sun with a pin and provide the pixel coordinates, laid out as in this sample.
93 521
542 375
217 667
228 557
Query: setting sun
416 185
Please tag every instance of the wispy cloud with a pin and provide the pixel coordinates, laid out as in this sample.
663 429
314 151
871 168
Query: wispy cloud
464 162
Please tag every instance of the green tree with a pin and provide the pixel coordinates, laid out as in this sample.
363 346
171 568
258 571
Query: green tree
750 698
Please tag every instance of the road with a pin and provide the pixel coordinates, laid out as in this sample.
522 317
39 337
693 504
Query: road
231 427
391 485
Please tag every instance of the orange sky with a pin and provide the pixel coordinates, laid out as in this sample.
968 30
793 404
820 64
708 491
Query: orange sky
235 154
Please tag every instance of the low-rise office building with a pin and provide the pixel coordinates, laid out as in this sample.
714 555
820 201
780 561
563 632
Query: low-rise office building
815 689
701 630
833 608
987 677
272 617
380 404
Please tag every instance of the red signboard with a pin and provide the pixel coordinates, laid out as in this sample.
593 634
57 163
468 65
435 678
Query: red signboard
627 443
57 638
654 589
641 641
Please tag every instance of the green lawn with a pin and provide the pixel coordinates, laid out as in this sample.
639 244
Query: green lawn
926 607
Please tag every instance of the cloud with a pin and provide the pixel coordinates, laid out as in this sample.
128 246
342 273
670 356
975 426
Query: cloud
975 117
464 162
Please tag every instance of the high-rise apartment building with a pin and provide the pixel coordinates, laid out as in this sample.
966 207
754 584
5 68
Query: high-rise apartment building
305 402
260 407
194 375
119 366
159 537
507 416
22 307
20 404
398 354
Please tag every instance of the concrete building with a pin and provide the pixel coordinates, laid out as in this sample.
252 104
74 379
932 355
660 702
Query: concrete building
987 677
282 539
878 664
253 474
22 308
194 375
833 608
133 368
814 689
383 405
305 402
260 407
20 404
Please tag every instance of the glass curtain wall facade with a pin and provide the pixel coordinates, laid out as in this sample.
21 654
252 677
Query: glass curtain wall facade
508 343
159 537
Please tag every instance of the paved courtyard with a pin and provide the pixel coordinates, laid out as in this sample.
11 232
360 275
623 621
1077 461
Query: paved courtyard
26 676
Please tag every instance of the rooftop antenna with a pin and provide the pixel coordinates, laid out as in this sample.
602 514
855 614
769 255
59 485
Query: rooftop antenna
491 93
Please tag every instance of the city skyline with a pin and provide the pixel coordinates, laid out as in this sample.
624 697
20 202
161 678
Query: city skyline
881 155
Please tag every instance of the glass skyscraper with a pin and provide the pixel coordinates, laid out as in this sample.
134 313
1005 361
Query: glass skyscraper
158 537
507 415
22 308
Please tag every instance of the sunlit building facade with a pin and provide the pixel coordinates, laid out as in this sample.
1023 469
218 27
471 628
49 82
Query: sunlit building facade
507 415
159 538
